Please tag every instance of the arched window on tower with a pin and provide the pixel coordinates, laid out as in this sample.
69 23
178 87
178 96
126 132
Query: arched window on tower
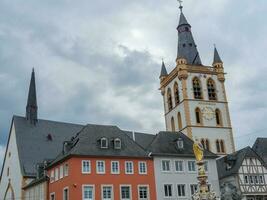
207 144
176 93
197 88
180 125
218 117
169 99
222 146
173 124
198 116
211 89
218 146
202 141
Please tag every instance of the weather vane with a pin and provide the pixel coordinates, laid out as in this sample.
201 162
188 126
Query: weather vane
181 6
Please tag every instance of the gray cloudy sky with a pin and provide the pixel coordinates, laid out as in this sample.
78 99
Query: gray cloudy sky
99 61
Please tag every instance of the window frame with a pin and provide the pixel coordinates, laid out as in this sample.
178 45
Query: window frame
68 193
172 194
211 87
101 143
148 192
93 191
139 167
162 169
183 167
90 166
52 194
125 166
112 192
193 185
130 192
104 167
184 185
194 166
117 140
200 95
111 167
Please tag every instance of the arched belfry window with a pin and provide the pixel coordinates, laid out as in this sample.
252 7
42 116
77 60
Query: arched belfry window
218 117
198 116
169 99
197 88
218 148
222 146
211 89
180 125
172 124
176 93
207 144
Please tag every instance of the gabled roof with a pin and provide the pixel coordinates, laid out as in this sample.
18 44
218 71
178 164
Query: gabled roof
164 144
143 139
34 143
235 160
87 143
260 147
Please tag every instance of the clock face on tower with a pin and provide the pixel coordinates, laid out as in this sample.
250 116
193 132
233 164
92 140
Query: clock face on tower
208 113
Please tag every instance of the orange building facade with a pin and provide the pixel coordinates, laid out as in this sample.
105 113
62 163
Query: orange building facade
102 178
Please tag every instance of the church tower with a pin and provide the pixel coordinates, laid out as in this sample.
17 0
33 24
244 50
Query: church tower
194 95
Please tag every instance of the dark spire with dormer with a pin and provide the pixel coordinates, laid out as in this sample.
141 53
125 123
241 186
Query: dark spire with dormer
163 70
31 108
187 47
216 58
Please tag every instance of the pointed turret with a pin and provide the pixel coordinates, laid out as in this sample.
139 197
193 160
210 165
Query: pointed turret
216 58
31 108
163 72
186 45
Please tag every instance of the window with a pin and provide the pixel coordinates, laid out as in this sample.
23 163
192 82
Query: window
86 166
52 176
222 146
7 171
66 169
65 194
180 125
180 143
125 192
107 193
193 188
246 179
100 167
169 99
211 89
61 171
256 180
52 196
197 88
165 165
207 144
115 167
176 93
168 190
191 166
88 192
56 174
218 117
142 168
129 167
261 179
181 190
198 116
251 180
206 166
117 143
203 142
104 143
218 146
179 165
172 124
143 192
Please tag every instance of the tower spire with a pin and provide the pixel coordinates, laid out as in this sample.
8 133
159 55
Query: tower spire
186 45
163 72
216 58
31 108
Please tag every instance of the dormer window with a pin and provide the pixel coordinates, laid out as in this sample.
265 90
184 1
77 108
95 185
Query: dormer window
117 143
104 143
180 143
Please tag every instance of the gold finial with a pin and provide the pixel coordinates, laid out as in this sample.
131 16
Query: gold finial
181 6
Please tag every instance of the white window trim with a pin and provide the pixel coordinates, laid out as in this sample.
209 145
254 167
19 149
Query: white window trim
185 190
189 187
139 167
97 167
84 185
173 190
161 163
52 178
50 196
64 193
117 139
56 174
174 165
130 192
112 191
187 167
104 147
90 166
115 161
126 167
148 191
64 170
61 171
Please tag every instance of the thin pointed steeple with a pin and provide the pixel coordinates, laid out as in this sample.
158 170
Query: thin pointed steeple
31 108
187 47
216 58
163 70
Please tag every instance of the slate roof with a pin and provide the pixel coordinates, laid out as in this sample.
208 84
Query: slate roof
216 58
143 139
235 161
260 147
33 143
87 143
164 144
163 70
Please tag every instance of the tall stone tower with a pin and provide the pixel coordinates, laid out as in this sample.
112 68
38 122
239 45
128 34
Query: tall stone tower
194 95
